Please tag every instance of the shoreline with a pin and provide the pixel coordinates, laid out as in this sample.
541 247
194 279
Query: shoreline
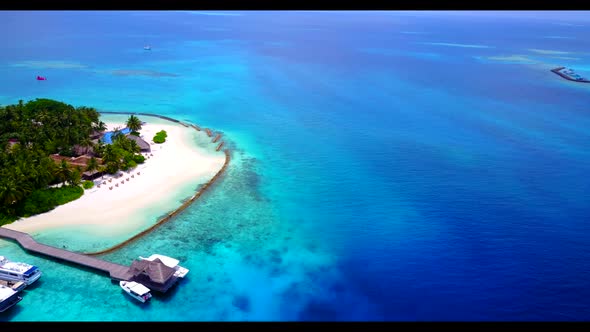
188 160
171 214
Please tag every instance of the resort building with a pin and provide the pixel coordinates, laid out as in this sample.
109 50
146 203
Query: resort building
11 143
143 145
153 274
80 161
107 138
95 135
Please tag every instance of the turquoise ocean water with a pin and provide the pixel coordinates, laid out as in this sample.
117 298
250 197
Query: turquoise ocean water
385 165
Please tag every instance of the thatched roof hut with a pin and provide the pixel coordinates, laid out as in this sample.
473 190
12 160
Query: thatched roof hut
143 145
153 274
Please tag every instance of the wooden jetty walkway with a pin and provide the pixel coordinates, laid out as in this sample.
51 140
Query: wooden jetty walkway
115 271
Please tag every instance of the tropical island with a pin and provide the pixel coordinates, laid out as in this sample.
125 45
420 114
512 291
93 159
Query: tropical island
49 147
52 153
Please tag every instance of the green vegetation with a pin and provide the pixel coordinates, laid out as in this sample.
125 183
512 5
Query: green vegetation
92 165
42 200
139 159
88 184
41 127
160 137
122 154
134 123
30 132
129 164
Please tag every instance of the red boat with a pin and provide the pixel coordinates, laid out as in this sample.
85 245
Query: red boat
41 78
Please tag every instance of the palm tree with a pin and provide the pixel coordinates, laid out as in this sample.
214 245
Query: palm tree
63 171
112 167
86 143
111 159
45 172
10 192
75 177
134 123
99 149
134 147
92 165
100 126
109 154
102 169
119 140
116 133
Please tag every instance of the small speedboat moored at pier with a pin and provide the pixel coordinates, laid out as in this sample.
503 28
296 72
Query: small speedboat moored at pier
136 290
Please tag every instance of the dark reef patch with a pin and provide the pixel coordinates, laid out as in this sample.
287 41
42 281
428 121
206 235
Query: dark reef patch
318 311
208 245
241 302
275 256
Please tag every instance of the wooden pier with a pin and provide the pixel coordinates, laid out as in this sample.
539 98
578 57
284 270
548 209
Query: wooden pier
115 271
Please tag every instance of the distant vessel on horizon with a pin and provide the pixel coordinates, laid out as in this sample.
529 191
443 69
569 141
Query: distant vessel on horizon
569 75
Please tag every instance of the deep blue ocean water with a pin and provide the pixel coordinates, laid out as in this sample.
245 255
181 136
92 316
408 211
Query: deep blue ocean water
386 165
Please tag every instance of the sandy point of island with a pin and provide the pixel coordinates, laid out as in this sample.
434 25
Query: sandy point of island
187 159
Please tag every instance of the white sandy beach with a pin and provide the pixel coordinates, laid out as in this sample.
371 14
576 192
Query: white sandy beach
176 164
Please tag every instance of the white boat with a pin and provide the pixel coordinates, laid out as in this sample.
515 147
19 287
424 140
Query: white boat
8 297
181 272
136 290
15 271
15 285
147 48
